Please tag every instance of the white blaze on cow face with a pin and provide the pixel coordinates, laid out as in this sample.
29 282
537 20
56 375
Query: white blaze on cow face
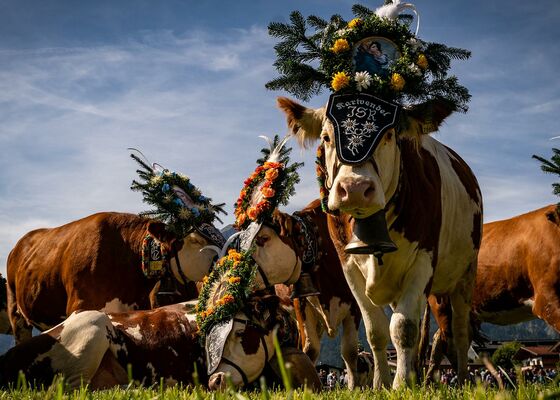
195 263
278 260
251 364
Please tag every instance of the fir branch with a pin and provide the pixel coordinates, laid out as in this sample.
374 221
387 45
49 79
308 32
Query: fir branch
361 11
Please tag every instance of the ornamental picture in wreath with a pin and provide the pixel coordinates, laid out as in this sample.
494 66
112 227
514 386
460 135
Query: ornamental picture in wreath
359 121
375 55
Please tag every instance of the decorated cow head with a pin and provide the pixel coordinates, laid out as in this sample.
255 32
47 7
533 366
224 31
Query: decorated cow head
243 345
389 89
184 213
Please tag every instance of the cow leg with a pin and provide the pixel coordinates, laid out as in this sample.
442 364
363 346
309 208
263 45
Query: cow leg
376 324
109 374
313 333
349 349
547 304
461 307
439 344
21 329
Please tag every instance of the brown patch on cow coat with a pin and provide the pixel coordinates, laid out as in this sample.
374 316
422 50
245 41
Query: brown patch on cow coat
418 200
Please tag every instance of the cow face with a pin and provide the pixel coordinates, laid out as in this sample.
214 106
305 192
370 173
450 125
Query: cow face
362 190
249 344
194 261
276 256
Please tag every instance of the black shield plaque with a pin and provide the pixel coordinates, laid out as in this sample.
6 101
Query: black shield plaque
359 121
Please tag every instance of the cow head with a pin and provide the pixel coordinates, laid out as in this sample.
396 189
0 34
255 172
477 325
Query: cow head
275 254
194 260
249 344
364 189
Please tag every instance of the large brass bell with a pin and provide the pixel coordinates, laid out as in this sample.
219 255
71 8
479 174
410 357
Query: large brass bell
304 287
371 236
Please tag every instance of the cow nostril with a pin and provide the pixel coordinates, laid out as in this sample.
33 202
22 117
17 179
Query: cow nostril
369 192
341 191
216 381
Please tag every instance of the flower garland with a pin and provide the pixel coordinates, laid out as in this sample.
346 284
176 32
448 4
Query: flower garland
234 276
178 203
271 184
417 73
266 179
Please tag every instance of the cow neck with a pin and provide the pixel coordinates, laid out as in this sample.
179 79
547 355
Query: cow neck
180 275
263 333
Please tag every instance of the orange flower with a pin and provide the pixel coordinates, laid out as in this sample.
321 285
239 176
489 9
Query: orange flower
236 264
241 218
397 82
340 46
234 255
422 61
268 192
339 81
271 174
228 298
354 23
252 213
209 312
270 164
205 280
262 206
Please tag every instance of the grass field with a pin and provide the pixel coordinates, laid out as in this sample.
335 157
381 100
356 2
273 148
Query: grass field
56 391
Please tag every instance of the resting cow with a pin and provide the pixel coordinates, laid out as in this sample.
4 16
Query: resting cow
92 263
335 305
517 278
161 344
433 210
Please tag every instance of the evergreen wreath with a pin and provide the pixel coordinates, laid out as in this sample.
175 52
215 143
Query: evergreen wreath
232 281
271 184
178 203
309 62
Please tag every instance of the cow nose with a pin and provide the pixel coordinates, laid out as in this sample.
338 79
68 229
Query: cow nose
217 381
351 190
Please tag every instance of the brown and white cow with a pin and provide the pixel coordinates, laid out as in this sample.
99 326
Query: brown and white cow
517 278
92 263
335 305
95 348
433 211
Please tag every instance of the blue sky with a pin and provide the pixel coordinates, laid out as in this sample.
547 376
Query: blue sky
184 82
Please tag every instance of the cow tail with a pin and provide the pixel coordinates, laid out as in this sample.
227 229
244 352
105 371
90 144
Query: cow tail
424 339
299 319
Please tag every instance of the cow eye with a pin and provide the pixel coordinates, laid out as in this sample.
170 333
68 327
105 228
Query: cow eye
261 240
325 138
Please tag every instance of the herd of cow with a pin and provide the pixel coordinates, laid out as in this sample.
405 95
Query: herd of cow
81 283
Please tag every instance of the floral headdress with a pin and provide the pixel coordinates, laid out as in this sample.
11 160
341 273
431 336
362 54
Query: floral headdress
271 184
178 203
416 72
225 290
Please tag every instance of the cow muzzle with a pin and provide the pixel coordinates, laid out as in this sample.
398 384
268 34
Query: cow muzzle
357 196
218 382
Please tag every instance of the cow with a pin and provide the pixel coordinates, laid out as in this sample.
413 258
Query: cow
160 345
433 209
516 281
335 305
92 263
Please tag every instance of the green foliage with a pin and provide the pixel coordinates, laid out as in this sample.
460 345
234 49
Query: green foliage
503 356
306 62
164 190
551 166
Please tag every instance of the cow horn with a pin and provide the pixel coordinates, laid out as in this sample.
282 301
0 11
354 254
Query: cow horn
371 236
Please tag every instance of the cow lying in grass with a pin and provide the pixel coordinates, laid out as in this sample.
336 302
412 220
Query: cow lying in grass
96 348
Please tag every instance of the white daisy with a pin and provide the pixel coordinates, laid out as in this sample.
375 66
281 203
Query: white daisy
415 69
363 80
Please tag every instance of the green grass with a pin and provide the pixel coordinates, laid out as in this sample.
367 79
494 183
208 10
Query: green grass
56 391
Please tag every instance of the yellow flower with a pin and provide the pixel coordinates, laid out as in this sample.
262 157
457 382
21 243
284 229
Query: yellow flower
397 82
422 61
234 279
339 81
354 23
234 255
205 279
340 46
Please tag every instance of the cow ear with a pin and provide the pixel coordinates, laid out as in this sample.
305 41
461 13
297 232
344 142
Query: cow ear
304 123
160 232
431 114
284 221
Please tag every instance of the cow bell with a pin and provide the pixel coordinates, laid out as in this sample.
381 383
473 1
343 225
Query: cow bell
168 292
371 236
304 287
